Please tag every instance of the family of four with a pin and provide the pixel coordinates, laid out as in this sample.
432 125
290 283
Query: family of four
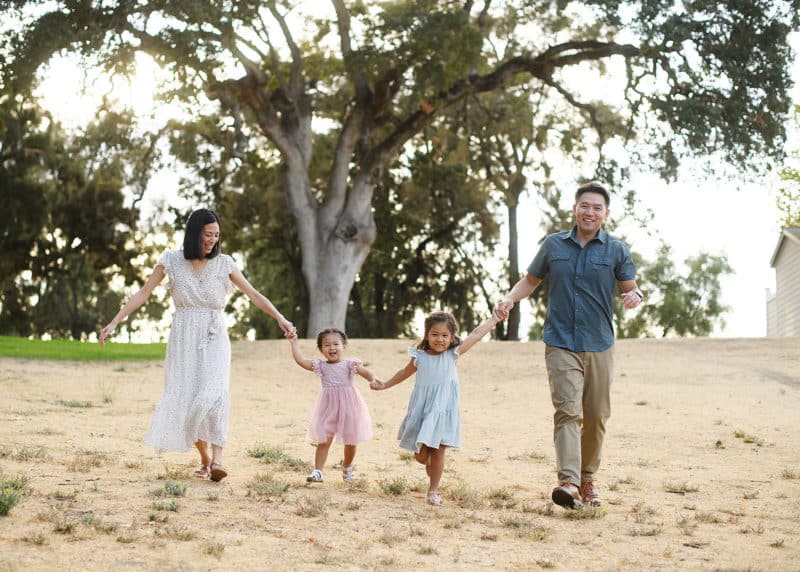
584 267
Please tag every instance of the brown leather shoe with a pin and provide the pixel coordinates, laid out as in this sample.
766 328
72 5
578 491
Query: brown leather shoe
590 494
568 495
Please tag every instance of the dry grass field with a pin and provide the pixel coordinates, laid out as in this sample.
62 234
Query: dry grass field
701 468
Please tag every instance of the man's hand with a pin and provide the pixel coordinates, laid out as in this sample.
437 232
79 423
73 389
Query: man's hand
632 298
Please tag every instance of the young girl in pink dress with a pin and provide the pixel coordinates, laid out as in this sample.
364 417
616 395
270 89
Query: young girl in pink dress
340 409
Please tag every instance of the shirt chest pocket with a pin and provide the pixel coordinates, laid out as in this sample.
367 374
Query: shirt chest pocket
559 258
600 264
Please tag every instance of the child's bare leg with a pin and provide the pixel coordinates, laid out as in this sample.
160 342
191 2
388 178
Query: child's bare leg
422 456
435 467
349 455
321 454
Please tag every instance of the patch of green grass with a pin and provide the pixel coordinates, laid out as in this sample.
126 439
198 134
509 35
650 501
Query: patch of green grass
747 438
277 456
24 453
585 513
171 489
75 404
264 485
308 505
174 473
72 350
84 461
465 495
99 524
501 498
396 486
12 491
680 487
181 533
214 549
528 456
790 474
171 506
64 496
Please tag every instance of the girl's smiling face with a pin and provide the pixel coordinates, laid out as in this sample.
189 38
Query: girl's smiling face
332 347
439 338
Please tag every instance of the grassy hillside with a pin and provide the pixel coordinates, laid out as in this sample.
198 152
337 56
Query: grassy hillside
78 351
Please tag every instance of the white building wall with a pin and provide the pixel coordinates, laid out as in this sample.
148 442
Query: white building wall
787 289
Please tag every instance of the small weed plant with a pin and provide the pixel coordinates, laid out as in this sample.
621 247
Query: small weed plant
396 486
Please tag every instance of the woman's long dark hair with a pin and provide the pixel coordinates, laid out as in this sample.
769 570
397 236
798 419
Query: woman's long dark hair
192 249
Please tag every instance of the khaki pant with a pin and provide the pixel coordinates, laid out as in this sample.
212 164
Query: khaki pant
580 387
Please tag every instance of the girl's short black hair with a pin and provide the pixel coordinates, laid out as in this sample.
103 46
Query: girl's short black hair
327 331
194 228
445 318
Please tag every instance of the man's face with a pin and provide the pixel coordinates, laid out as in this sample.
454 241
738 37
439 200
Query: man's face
590 212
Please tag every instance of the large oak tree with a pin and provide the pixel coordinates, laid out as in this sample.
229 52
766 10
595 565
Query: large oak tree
702 78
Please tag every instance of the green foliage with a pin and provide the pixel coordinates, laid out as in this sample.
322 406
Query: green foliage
678 304
321 120
789 195
12 491
432 258
71 350
278 456
68 231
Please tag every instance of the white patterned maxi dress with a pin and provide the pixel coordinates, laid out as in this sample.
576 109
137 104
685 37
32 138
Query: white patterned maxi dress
196 399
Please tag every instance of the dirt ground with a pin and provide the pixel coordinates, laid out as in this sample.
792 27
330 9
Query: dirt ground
701 469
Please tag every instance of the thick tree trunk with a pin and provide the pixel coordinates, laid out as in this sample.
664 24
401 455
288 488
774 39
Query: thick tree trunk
330 282
335 239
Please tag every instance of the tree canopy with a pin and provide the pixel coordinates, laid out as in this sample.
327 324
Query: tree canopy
334 100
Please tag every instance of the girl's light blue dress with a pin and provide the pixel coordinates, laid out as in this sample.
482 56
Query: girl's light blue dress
433 416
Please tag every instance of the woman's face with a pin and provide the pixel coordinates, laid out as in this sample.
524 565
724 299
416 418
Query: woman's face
209 237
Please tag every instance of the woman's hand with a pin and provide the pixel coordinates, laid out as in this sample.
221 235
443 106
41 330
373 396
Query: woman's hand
287 327
104 333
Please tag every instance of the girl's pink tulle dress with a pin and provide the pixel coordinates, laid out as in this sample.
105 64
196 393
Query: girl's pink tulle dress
340 409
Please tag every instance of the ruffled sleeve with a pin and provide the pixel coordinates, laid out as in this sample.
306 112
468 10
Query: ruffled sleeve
354 363
455 353
415 353
316 365
166 261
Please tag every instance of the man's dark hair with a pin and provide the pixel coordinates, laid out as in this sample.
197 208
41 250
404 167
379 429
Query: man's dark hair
593 187
192 249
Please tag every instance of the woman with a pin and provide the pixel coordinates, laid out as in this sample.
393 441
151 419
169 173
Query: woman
196 402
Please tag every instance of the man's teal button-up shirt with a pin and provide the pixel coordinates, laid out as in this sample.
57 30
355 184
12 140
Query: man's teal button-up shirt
580 294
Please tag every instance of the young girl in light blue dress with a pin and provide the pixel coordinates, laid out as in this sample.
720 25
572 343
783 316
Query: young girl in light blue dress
433 420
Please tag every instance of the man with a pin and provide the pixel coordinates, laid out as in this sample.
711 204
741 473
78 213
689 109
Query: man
584 265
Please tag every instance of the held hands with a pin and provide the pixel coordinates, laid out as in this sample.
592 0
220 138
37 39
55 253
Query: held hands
287 327
502 309
377 385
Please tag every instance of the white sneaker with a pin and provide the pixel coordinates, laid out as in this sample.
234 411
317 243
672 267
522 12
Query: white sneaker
347 474
315 476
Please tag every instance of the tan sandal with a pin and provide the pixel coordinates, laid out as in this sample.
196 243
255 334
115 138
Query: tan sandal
218 472
203 472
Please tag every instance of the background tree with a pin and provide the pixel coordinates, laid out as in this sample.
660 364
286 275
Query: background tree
789 194
371 78
68 232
